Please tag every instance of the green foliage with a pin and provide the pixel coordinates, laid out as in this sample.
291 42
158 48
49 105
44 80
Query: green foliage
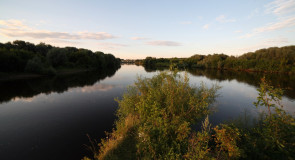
198 144
226 139
57 57
274 137
162 110
21 56
34 65
268 96
271 60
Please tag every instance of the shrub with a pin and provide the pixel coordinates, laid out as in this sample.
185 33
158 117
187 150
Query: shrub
162 110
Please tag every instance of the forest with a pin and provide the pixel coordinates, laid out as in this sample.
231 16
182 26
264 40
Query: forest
25 57
272 59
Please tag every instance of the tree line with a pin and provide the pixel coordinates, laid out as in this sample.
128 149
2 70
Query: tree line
21 56
272 59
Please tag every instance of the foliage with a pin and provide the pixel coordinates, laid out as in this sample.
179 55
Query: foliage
158 113
56 57
34 65
267 95
273 59
21 56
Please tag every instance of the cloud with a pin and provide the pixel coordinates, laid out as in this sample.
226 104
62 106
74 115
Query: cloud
238 31
138 38
109 45
186 22
97 87
163 43
223 19
16 28
206 26
282 23
275 26
13 24
277 40
280 7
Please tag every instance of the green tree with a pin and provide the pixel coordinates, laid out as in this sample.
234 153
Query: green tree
56 57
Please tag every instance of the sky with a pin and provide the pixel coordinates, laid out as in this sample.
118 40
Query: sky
135 29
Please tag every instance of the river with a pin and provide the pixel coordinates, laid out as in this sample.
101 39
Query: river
49 117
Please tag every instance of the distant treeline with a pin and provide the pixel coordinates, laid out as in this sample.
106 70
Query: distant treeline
21 56
271 60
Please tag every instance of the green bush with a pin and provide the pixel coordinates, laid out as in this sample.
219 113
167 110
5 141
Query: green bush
159 113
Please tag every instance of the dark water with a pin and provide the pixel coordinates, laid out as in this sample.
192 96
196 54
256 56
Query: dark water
48 118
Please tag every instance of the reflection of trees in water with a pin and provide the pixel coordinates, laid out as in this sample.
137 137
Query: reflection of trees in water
285 81
30 87
154 69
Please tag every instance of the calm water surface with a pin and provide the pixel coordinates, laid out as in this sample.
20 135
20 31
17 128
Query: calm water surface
49 118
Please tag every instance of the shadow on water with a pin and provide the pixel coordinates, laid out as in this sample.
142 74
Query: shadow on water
284 81
26 88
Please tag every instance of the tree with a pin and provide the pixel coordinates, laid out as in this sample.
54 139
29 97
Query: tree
56 57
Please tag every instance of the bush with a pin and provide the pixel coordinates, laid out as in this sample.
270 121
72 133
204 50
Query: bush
156 116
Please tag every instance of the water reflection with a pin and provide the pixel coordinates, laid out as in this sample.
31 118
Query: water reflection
27 88
284 81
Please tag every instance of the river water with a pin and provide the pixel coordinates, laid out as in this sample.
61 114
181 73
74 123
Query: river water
50 117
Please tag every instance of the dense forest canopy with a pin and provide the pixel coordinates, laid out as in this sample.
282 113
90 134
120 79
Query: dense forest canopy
272 59
21 56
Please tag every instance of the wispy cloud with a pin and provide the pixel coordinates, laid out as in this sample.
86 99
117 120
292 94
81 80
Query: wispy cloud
280 7
163 43
277 40
13 24
238 31
206 26
139 38
96 87
110 45
282 23
275 26
16 28
223 19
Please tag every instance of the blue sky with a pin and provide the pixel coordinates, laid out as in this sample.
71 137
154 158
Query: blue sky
158 28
